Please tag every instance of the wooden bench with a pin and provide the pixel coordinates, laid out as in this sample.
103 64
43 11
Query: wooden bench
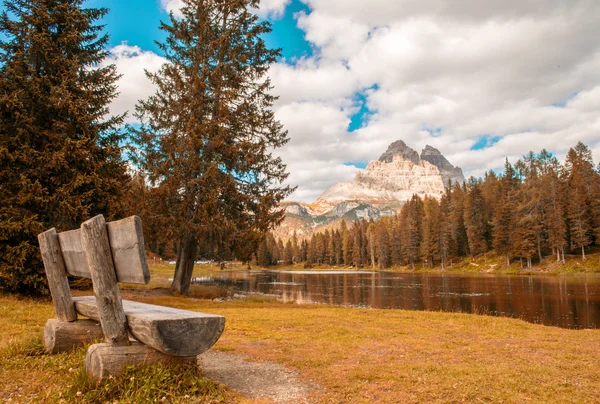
108 253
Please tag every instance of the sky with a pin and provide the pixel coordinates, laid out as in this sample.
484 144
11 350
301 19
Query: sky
479 80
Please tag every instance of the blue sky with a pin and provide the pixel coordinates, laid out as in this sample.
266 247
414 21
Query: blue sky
480 81
136 22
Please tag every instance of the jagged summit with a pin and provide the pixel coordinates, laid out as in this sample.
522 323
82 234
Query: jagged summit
401 149
378 190
447 170
398 174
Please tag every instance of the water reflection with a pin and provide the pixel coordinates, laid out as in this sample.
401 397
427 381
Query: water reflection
569 302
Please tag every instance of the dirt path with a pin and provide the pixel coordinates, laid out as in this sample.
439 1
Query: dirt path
262 380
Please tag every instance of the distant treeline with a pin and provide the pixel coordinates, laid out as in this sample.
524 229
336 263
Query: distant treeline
536 208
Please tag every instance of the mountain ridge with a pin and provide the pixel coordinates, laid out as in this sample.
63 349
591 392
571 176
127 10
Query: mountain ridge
378 190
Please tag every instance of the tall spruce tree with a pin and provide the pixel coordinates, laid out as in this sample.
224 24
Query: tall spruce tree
580 171
505 216
60 161
208 133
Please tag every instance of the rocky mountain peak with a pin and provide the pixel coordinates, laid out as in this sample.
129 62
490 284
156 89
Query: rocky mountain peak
430 151
447 170
378 190
400 148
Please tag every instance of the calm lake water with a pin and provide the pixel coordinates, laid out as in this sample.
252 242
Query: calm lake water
569 302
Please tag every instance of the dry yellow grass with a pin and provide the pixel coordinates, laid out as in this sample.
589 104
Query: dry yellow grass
352 355
365 355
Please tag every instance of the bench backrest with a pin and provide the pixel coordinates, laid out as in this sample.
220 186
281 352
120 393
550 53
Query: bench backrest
127 249
107 253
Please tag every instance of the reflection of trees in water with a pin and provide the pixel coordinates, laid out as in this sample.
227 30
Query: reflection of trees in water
573 302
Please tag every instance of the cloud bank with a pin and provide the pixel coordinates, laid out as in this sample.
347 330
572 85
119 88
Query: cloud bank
480 81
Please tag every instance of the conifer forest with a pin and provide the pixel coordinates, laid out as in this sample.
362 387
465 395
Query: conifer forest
538 208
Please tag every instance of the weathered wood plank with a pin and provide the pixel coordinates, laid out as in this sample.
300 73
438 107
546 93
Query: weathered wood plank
57 276
60 336
172 331
103 360
127 247
73 253
108 297
126 241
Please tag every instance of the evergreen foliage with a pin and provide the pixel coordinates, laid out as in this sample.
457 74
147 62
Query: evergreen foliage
208 135
60 160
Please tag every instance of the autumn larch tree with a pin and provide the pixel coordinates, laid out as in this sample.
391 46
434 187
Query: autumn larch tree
475 219
208 133
505 215
580 173
60 160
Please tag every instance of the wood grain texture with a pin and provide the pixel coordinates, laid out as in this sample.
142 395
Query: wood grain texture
103 360
108 297
172 331
126 240
58 283
74 254
60 336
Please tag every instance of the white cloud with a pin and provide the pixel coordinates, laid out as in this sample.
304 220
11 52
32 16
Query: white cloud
525 73
267 8
445 73
172 6
133 84
272 8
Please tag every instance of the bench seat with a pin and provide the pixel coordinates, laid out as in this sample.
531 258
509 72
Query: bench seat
171 331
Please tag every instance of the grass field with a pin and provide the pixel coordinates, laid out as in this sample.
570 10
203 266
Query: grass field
349 355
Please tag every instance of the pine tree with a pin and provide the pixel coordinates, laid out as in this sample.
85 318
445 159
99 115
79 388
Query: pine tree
288 253
554 196
207 134
457 218
357 246
431 228
475 219
347 245
384 251
578 199
412 213
505 216
60 160
396 241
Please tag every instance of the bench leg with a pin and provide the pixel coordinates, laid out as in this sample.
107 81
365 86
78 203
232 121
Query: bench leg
104 359
61 336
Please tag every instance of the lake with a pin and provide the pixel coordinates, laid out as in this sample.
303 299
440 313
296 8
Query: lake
563 301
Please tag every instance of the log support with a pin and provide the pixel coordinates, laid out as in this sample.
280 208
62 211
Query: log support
62 336
104 359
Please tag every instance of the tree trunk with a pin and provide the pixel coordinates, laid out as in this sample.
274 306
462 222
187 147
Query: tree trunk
185 265
563 254
557 255
539 247
507 260
583 253
372 248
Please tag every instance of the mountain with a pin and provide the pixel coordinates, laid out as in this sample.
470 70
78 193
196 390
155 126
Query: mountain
379 190
448 171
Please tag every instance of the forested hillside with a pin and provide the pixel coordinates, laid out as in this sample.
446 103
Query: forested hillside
537 208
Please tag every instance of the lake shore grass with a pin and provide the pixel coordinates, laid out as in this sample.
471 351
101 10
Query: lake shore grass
348 355
490 263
